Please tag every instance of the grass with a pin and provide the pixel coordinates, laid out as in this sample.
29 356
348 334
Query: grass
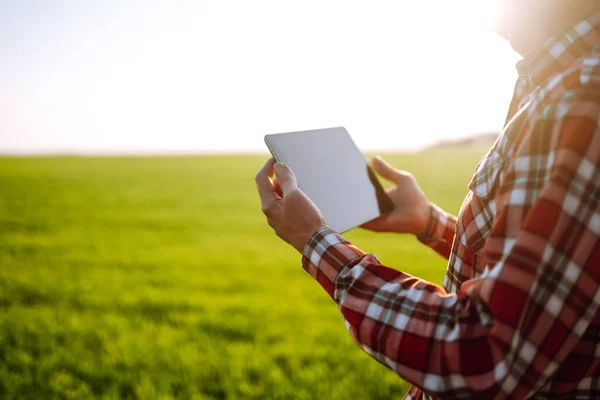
157 278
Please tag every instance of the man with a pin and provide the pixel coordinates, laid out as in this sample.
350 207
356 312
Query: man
518 316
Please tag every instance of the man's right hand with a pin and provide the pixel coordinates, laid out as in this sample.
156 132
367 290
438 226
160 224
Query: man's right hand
411 214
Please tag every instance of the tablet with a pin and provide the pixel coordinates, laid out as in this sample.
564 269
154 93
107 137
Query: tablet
334 174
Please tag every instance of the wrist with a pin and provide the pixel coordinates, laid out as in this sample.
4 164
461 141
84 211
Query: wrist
301 242
424 221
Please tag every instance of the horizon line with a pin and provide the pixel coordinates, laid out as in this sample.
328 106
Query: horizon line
72 152
167 153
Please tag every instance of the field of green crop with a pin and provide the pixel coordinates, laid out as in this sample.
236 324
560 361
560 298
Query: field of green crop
158 278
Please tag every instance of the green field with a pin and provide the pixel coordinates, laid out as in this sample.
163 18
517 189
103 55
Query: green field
158 278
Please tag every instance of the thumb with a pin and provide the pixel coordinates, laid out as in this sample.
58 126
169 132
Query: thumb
385 170
286 178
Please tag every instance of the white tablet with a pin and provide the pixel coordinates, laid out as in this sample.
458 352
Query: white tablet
334 174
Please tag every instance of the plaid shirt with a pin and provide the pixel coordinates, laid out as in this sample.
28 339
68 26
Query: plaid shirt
518 314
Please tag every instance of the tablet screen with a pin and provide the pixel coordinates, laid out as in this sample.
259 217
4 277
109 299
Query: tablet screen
334 174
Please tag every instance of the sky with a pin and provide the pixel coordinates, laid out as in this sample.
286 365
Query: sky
217 75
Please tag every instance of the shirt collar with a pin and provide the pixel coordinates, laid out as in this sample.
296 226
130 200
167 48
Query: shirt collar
561 51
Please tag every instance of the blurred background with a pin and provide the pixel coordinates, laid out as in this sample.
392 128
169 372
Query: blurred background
134 260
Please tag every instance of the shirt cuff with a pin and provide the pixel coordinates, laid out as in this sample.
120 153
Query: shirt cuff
437 225
326 254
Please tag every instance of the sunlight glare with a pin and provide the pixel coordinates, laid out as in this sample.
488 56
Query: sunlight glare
217 76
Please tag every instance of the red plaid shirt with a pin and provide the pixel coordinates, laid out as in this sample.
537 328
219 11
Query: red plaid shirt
518 314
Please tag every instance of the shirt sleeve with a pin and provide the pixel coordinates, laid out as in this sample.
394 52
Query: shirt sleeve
441 230
508 333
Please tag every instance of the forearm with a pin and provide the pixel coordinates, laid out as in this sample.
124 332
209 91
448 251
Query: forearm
407 324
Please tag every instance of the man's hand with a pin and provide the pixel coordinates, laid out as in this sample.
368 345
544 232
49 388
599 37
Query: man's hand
293 216
411 214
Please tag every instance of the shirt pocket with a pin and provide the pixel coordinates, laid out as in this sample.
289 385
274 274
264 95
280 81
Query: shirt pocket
478 213
487 175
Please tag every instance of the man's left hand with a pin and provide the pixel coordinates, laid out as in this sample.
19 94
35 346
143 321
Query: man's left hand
293 216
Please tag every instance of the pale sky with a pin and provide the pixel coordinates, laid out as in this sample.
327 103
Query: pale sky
204 76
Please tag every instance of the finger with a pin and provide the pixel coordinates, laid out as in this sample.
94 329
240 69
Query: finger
277 186
266 190
286 178
385 170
